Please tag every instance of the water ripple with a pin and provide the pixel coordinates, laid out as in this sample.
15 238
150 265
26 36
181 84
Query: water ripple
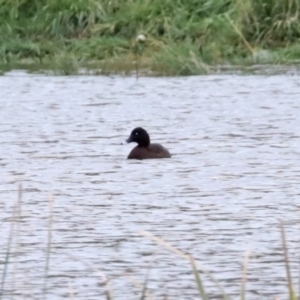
234 173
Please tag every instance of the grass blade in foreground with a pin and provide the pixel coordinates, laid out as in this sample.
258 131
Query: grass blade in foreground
108 291
198 279
244 278
146 294
287 265
9 246
185 256
48 245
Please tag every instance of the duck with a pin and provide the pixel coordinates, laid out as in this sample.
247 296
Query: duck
144 149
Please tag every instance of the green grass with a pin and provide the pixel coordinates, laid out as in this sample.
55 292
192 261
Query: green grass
183 37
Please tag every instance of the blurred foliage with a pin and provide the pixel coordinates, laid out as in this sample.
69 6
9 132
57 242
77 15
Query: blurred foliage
185 33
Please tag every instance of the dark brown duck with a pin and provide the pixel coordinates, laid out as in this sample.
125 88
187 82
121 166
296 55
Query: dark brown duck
145 150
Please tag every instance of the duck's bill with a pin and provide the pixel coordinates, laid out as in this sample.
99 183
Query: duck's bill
129 140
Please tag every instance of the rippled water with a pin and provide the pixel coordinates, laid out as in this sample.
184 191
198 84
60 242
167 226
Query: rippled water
233 175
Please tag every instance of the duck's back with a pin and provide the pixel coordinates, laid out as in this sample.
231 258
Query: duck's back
152 151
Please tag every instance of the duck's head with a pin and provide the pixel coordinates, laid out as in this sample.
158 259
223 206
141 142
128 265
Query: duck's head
140 136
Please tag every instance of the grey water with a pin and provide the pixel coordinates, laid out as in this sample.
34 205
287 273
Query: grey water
234 175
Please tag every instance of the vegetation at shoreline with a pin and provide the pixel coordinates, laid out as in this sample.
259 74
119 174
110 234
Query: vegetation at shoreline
182 37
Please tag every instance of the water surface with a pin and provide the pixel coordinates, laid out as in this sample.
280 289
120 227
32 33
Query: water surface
233 175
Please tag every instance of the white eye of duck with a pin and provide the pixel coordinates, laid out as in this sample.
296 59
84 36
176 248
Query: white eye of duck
136 133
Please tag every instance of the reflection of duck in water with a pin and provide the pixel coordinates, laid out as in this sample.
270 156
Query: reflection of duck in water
145 150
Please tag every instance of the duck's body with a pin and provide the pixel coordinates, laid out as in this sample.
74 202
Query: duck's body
152 151
144 149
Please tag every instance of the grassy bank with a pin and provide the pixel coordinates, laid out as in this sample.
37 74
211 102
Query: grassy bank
182 37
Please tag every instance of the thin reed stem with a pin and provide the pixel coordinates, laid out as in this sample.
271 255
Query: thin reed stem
108 291
244 276
180 253
286 260
8 250
240 34
200 285
48 254
17 234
